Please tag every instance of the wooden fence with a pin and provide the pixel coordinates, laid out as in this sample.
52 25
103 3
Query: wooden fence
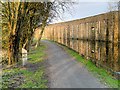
95 38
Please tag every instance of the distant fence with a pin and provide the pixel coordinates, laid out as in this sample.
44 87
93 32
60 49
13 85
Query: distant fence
102 27
95 38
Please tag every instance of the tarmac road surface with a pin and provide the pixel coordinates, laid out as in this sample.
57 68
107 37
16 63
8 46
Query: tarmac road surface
65 72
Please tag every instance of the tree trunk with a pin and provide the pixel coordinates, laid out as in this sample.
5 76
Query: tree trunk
41 33
27 44
13 46
17 48
11 51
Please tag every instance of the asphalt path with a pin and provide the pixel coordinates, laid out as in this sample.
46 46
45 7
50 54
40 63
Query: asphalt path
65 72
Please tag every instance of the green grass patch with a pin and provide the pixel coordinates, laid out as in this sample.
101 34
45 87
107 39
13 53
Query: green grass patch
35 79
36 55
29 76
99 72
8 76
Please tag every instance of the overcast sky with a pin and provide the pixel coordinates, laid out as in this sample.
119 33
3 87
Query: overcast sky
84 9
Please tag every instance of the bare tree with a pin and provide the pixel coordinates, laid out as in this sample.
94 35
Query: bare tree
21 18
54 9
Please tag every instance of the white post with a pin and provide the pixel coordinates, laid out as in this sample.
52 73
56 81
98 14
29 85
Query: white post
24 56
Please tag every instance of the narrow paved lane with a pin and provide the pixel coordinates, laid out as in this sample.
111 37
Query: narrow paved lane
65 72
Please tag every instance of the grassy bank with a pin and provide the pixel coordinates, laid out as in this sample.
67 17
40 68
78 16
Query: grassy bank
30 76
98 72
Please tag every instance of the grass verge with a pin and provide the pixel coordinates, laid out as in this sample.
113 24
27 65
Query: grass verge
30 76
98 72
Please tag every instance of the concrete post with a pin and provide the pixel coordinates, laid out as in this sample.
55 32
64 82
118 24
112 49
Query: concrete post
24 56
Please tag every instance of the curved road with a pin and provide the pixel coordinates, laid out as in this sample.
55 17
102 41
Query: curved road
65 72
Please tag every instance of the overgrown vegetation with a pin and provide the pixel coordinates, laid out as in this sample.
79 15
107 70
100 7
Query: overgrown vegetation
19 21
99 72
30 76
